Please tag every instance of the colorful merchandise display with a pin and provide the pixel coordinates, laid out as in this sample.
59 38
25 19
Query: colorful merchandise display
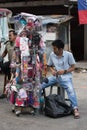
28 66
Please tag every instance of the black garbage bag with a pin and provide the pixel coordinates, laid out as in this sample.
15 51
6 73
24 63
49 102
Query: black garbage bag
56 107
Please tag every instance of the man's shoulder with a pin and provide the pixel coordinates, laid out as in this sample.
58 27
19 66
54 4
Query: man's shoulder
7 42
67 52
52 53
8 45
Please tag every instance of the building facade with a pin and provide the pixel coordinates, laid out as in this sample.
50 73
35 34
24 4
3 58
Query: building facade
50 7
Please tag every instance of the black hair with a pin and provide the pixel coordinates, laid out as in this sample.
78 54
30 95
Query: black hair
58 43
13 32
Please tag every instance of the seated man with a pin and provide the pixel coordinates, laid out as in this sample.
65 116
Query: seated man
61 64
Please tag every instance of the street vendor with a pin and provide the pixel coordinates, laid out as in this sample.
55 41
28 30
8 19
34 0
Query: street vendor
8 50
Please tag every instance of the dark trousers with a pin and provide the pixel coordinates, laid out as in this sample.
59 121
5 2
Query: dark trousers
5 68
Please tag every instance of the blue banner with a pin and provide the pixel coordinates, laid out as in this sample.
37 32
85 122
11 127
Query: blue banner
82 4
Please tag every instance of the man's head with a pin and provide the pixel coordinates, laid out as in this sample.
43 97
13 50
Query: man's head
12 35
58 47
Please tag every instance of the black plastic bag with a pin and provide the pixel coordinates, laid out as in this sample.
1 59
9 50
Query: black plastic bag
56 107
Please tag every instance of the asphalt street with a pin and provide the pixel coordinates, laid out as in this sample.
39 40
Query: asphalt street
9 121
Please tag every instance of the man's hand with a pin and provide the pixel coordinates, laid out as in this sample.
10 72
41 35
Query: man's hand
60 72
54 72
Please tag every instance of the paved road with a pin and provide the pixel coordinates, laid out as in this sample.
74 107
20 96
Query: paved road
9 121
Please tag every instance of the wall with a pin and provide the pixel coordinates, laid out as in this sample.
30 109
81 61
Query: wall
85 42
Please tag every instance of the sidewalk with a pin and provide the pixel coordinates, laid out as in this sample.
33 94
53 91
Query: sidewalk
9 121
81 64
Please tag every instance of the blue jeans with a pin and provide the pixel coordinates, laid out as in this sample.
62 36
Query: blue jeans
67 85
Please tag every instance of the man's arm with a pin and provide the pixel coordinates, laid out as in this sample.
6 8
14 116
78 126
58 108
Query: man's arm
53 71
72 68
4 53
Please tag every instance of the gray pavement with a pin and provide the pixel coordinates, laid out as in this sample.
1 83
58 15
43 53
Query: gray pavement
81 64
9 121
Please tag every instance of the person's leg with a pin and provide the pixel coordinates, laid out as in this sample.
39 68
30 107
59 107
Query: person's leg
46 83
68 85
51 81
7 75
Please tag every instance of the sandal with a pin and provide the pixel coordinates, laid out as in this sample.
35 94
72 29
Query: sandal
76 114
